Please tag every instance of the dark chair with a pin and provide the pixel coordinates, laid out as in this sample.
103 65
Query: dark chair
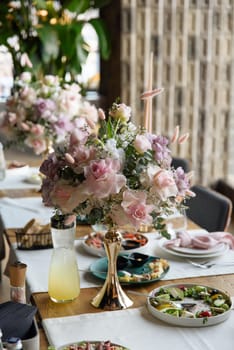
181 162
209 209
2 246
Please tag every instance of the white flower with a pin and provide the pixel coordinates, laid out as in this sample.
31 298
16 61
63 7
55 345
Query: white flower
51 80
147 176
114 152
25 77
13 41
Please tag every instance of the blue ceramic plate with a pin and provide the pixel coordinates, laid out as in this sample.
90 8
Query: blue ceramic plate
152 270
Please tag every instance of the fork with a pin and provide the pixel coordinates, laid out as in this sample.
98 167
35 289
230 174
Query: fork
206 265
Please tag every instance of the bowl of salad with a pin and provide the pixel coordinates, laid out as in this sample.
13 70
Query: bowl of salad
93 345
189 305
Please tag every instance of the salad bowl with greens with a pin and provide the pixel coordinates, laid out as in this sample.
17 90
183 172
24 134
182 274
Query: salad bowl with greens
189 305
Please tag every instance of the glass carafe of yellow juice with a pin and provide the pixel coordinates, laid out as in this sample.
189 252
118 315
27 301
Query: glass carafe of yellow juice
64 282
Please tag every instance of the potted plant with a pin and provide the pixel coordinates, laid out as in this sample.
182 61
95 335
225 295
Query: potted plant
47 36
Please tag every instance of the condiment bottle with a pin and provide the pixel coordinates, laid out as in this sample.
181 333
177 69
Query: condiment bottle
14 343
2 163
17 282
1 344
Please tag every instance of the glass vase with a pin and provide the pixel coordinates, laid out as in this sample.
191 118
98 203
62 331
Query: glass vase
112 296
64 281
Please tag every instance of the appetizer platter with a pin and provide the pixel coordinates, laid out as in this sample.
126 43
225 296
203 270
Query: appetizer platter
189 305
93 345
132 242
152 269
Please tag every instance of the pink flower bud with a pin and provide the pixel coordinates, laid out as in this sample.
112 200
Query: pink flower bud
69 158
190 175
151 93
183 138
24 126
101 114
176 134
70 219
91 124
190 193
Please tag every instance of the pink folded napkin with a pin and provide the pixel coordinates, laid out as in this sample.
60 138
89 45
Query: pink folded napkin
206 241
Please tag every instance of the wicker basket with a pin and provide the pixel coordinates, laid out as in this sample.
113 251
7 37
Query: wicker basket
33 241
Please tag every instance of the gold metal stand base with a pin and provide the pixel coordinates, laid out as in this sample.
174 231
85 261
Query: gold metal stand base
112 296
111 299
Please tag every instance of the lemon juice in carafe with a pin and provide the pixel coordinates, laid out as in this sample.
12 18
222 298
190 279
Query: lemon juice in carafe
64 282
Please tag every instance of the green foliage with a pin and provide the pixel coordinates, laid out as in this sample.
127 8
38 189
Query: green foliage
52 36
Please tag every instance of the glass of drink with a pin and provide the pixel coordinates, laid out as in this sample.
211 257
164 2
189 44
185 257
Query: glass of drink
177 221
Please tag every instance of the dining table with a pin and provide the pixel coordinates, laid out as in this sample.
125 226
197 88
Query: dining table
134 327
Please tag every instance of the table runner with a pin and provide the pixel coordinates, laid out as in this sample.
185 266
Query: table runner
137 329
38 265
15 178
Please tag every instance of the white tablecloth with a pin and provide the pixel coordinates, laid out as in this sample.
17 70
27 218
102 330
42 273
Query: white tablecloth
18 211
16 178
38 265
137 329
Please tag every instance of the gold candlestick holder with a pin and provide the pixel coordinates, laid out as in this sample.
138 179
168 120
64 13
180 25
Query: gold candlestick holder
112 296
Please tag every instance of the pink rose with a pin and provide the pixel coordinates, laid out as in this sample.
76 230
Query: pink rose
12 117
121 112
82 154
135 207
119 216
37 129
81 131
28 96
164 185
90 113
67 197
142 144
102 178
38 144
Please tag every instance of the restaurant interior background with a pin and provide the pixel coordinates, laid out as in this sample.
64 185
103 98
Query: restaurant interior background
193 46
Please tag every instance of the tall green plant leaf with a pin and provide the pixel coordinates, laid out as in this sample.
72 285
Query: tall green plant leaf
103 37
50 43
100 3
78 6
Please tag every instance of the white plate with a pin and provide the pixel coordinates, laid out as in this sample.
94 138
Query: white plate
18 171
222 251
101 251
218 248
34 179
91 342
189 322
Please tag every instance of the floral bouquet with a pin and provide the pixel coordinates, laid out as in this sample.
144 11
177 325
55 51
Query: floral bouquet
116 174
41 113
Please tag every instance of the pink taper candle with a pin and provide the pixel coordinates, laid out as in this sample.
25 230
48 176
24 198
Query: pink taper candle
148 101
